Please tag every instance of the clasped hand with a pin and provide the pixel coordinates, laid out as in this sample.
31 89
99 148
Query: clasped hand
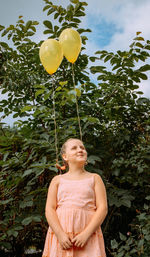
66 242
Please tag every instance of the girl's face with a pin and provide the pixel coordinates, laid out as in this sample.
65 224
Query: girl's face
75 152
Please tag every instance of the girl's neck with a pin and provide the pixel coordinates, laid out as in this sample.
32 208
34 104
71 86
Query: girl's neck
78 170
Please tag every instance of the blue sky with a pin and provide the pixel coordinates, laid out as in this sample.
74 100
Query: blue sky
114 23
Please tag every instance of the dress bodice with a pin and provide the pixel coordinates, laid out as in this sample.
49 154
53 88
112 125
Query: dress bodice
76 193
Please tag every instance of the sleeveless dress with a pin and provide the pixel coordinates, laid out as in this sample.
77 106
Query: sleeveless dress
75 208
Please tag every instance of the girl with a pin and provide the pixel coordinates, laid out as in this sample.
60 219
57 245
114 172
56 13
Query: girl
76 206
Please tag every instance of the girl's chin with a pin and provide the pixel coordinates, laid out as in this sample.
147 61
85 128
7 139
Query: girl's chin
80 161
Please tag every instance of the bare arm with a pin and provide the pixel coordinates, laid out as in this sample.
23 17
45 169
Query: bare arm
50 209
99 215
51 215
101 206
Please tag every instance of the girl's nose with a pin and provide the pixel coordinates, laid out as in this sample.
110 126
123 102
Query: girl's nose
80 150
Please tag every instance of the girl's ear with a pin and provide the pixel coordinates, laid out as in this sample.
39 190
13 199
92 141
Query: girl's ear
64 157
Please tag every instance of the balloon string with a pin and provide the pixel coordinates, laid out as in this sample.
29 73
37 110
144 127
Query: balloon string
55 124
77 106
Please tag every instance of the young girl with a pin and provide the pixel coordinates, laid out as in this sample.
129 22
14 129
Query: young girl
76 206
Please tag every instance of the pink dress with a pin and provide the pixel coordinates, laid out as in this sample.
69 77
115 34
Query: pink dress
75 208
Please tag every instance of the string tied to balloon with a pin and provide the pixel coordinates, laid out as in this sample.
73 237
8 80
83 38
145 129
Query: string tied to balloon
77 106
51 55
71 44
55 124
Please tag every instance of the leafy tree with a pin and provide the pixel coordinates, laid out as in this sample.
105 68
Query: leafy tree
115 127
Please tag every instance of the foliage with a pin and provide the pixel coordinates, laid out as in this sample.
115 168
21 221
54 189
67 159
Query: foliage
115 125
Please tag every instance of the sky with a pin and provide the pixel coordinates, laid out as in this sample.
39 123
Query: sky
114 24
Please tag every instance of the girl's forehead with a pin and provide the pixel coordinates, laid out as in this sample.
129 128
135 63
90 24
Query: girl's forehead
74 142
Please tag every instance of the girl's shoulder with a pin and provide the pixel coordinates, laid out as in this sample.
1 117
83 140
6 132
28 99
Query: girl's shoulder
97 178
92 174
55 180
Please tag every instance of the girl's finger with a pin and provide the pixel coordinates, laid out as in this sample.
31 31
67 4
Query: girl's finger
68 244
73 240
77 244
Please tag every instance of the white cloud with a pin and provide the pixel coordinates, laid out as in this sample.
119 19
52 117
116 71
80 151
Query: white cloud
130 20
127 17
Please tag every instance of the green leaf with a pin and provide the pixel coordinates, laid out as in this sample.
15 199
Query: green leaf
39 92
76 20
27 221
139 45
46 7
56 15
143 76
138 32
93 158
74 1
95 69
139 93
15 115
1 27
7 245
28 25
51 11
122 237
121 254
141 243
39 86
147 47
18 227
5 45
28 172
48 24
48 31
6 201
30 33
92 58
33 28
46 96
61 19
63 83
27 108
146 67
114 244
108 57
147 197
25 204
35 23
139 39
4 32
78 92
37 218
126 202
12 232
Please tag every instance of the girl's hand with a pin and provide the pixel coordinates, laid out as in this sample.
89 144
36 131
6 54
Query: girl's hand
65 241
80 240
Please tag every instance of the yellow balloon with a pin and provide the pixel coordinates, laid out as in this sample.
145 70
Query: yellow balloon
71 44
51 55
